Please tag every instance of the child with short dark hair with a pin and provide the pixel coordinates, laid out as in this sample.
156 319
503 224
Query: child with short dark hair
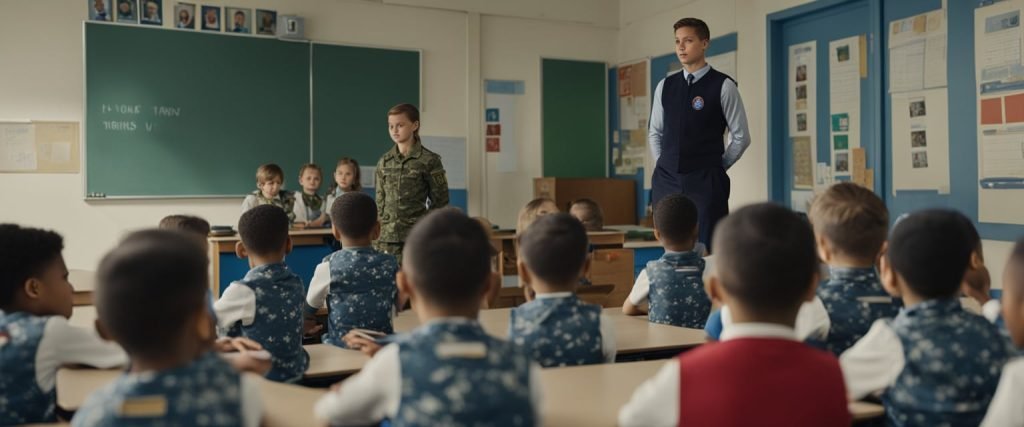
759 362
936 363
357 282
851 225
673 285
556 327
266 305
269 182
448 371
1006 409
589 213
175 378
189 223
35 337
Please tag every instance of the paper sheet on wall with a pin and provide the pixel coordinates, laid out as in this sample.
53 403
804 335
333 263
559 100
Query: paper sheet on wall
803 163
57 147
453 156
802 93
503 101
17 147
1000 74
920 141
844 102
917 52
634 110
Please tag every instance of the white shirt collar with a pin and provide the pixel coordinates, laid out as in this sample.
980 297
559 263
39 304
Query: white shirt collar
554 295
697 74
758 330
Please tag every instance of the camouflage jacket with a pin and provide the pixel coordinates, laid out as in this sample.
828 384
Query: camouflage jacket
407 188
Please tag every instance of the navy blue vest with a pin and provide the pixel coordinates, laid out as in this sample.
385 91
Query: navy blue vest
454 374
21 400
559 331
694 123
363 293
953 362
676 295
277 325
850 315
206 391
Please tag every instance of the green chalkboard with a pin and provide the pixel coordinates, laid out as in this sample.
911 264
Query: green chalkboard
175 113
573 115
353 88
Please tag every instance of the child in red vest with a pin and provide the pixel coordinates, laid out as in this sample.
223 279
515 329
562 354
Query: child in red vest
758 374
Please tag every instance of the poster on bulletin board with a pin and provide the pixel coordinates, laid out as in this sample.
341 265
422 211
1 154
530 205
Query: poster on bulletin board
999 68
630 152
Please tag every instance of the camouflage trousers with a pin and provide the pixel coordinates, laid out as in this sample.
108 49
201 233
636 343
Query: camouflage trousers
390 248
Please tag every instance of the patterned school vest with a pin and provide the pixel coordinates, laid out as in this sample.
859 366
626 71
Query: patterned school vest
454 374
207 391
277 325
559 331
363 292
676 294
21 400
285 200
953 362
314 206
854 299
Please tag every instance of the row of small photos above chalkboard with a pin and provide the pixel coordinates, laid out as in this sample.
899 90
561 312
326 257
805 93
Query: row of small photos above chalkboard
209 18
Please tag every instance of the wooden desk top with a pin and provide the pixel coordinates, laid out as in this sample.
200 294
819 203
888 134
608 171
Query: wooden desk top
606 388
641 244
293 233
632 334
283 404
326 360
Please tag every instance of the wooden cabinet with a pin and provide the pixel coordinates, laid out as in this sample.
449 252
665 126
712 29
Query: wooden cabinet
617 197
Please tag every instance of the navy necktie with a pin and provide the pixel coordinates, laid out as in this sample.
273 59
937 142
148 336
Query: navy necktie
689 80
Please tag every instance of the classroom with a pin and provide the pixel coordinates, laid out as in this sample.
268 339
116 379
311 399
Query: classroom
632 212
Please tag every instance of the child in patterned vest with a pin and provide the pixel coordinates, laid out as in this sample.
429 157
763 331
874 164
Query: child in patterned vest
151 299
1006 409
448 371
556 327
935 363
309 207
850 226
266 305
357 282
758 361
673 286
35 337
269 191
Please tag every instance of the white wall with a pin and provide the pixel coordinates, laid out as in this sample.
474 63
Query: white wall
41 79
646 30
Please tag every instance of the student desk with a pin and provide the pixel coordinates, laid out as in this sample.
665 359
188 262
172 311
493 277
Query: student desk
633 335
283 404
309 247
84 283
592 395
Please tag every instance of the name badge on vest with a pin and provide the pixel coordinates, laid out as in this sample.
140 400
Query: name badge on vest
698 103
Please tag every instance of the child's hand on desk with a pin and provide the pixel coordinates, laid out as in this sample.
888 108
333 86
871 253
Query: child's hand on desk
310 327
299 226
316 223
244 354
357 341
240 344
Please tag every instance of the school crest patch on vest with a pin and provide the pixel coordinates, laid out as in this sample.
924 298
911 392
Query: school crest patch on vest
698 103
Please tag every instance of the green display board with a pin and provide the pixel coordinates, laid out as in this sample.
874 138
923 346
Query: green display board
573 114
353 89
175 113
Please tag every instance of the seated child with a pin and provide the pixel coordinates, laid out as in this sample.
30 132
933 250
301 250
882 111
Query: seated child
266 305
556 327
589 213
35 337
758 374
244 354
673 285
174 378
936 363
269 179
1006 408
850 225
309 206
357 282
448 371
346 179
534 209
